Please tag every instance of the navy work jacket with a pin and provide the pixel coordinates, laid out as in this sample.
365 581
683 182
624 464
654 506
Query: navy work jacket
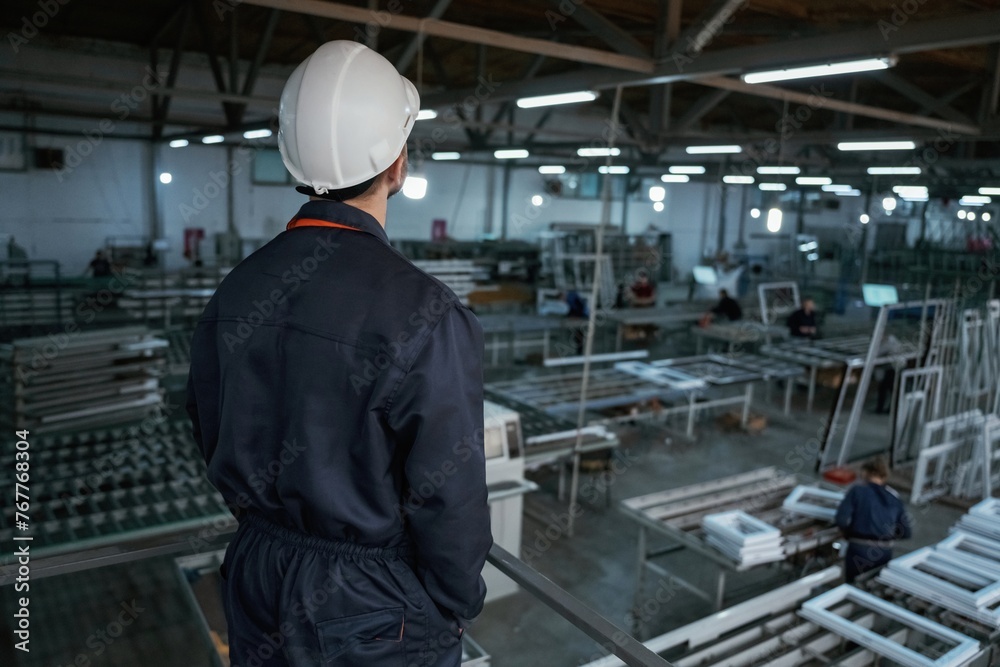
337 390
872 511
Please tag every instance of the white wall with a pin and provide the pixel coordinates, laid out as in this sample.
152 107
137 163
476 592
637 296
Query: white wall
66 215
107 194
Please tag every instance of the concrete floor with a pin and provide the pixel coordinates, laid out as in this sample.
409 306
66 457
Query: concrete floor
597 564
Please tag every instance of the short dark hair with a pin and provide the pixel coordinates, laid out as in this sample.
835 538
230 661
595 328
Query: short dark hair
876 467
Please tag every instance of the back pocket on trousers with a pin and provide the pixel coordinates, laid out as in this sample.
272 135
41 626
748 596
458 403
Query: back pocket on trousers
373 638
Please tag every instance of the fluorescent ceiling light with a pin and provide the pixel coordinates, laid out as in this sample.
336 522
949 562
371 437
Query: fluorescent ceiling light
552 169
812 257
675 178
657 193
989 191
558 98
774 220
510 153
179 143
714 150
889 204
986 216
837 187
613 169
909 198
686 169
893 171
658 206
257 134
755 213
166 177
773 187
876 145
830 69
427 114
865 218
848 193
972 215
977 199
738 180
537 200
813 180
778 170
806 247
599 152
909 189
415 187
446 155
962 215
213 139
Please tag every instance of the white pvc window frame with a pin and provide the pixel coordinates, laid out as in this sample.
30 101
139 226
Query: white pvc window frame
803 500
971 544
818 610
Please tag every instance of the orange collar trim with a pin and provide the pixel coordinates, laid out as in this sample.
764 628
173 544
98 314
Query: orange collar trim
315 222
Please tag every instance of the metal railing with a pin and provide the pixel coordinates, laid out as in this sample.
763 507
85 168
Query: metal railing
629 649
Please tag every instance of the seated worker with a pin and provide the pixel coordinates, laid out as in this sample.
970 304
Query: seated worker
727 308
643 292
99 267
802 323
871 516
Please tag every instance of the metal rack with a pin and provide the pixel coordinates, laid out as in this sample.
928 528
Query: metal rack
113 489
80 379
676 515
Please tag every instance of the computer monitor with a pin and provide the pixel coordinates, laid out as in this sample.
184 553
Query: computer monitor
705 275
880 295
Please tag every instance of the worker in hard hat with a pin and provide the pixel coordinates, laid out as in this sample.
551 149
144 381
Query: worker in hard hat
336 393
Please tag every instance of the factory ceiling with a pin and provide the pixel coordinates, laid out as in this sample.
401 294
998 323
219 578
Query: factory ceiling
220 64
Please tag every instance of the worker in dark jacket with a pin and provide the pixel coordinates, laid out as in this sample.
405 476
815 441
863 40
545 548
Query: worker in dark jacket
802 322
871 517
336 393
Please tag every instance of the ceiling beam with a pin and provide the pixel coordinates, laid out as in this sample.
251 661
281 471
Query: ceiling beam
921 97
708 25
462 33
76 82
698 110
942 33
819 101
409 53
617 38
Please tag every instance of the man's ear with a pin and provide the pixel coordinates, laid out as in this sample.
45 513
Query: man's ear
396 173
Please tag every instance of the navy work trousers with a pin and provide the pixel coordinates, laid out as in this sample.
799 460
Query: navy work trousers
292 600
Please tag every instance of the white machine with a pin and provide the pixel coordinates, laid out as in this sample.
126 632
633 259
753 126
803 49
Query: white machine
505 480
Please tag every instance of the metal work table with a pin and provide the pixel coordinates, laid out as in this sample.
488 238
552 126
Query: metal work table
676 515
817 355
687 380
736 334
496 326
678 316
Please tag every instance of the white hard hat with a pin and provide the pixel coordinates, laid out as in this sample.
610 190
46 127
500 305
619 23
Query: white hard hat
344 117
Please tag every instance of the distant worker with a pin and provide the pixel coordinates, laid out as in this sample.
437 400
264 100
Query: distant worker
872 517
336 393
577 309
99 267
643 292
802 323
727 308
14 251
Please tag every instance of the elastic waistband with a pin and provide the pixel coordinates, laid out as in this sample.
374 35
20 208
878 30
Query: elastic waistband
324 545
882 544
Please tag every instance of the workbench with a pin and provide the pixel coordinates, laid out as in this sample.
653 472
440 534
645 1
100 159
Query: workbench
675 316
695 383
676 515
515 331
737 335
